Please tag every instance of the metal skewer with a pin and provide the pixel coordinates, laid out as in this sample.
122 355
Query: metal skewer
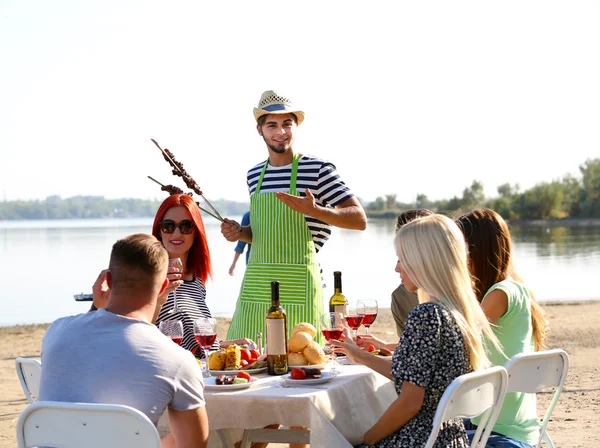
205 211
198 191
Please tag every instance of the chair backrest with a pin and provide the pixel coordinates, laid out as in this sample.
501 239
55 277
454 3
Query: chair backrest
29 372
93 425
534 372
477 393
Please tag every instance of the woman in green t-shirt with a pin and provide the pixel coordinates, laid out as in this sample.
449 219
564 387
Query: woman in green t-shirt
519 321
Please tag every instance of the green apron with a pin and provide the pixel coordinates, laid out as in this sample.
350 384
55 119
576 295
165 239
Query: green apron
282 250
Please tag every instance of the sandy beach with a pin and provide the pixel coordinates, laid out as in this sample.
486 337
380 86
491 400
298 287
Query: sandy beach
573 327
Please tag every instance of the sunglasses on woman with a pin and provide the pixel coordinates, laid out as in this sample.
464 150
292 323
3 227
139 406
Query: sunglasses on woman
185 227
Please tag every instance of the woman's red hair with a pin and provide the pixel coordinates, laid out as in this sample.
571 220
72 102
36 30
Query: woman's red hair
199 256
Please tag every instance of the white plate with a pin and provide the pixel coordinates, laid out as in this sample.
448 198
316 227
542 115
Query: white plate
316 366
210 384
325 376
235 372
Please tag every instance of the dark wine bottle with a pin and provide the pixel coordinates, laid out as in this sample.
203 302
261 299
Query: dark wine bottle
338 302
277 360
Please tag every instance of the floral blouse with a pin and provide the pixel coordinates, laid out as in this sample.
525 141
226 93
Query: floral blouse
430 354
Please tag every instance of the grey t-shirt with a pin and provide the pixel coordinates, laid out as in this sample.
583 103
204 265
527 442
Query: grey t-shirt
102 357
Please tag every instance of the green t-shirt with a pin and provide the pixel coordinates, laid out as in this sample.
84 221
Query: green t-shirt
518 418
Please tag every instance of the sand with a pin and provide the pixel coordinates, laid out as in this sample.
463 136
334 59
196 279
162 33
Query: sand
573 327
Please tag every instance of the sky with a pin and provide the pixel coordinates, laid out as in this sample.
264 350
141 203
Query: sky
404 98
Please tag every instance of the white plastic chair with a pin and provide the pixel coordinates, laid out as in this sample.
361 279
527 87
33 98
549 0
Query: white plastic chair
29 372
534 372
90 425
477 393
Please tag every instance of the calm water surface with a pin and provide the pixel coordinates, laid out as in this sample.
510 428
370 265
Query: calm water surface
43 263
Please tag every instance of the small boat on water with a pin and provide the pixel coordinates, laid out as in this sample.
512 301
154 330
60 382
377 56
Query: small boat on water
84 297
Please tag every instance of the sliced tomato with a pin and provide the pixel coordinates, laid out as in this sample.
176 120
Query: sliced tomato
244 363
372 348
245 354
254 354
251 361
245 375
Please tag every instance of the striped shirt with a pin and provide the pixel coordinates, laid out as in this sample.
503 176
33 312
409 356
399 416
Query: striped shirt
318 175
191 301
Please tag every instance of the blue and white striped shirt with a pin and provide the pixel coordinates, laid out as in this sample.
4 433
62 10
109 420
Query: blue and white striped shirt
320 176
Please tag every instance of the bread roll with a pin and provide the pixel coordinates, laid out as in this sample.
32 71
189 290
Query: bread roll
314 353
297 359
298 341
306 327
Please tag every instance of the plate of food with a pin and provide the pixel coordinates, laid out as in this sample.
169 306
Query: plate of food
242 380
307 376
236 359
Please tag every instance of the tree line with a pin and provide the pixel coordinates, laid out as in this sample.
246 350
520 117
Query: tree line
569 197
88 207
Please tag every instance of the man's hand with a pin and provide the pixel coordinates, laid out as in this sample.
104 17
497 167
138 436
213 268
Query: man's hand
101 290
231 230
305 205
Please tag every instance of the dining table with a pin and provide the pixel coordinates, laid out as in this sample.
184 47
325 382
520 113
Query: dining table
338 411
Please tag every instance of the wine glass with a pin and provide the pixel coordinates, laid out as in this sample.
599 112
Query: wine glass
175 263
332 327
173 329
205 332
354 316
371 308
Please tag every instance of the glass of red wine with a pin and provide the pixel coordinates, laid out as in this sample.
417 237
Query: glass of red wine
371 308
354 316
175 263
332 327
173 329
205 332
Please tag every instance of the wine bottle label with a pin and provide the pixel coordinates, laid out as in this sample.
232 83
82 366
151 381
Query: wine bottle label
341 309
276 337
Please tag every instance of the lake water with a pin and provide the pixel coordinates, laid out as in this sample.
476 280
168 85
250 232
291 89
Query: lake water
43 263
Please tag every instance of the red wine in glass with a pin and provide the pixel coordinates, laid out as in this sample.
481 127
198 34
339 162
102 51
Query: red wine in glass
206 340
370 308
368 319
176 339
355 321
332 333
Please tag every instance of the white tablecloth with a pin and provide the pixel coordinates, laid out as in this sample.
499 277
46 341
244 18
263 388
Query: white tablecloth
337 412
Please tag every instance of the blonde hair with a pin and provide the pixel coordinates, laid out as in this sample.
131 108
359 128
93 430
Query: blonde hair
433 253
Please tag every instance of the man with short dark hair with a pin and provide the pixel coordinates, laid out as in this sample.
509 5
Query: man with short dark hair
295 199
117 355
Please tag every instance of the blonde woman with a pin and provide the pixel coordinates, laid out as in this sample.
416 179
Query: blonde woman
443 338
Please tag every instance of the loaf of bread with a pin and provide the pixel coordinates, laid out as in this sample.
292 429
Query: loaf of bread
314 353
297 359
305 326
298 341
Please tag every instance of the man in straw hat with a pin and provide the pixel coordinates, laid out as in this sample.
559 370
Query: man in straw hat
294 200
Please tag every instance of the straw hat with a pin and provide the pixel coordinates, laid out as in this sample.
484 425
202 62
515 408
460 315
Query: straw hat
272 103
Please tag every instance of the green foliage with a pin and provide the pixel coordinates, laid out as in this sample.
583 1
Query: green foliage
567 198
84 207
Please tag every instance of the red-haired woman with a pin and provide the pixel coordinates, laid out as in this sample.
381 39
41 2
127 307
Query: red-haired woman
178 224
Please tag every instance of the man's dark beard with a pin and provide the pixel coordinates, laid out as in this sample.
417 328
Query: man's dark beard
275 149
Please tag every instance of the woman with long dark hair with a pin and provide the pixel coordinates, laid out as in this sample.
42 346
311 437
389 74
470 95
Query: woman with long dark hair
518 320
